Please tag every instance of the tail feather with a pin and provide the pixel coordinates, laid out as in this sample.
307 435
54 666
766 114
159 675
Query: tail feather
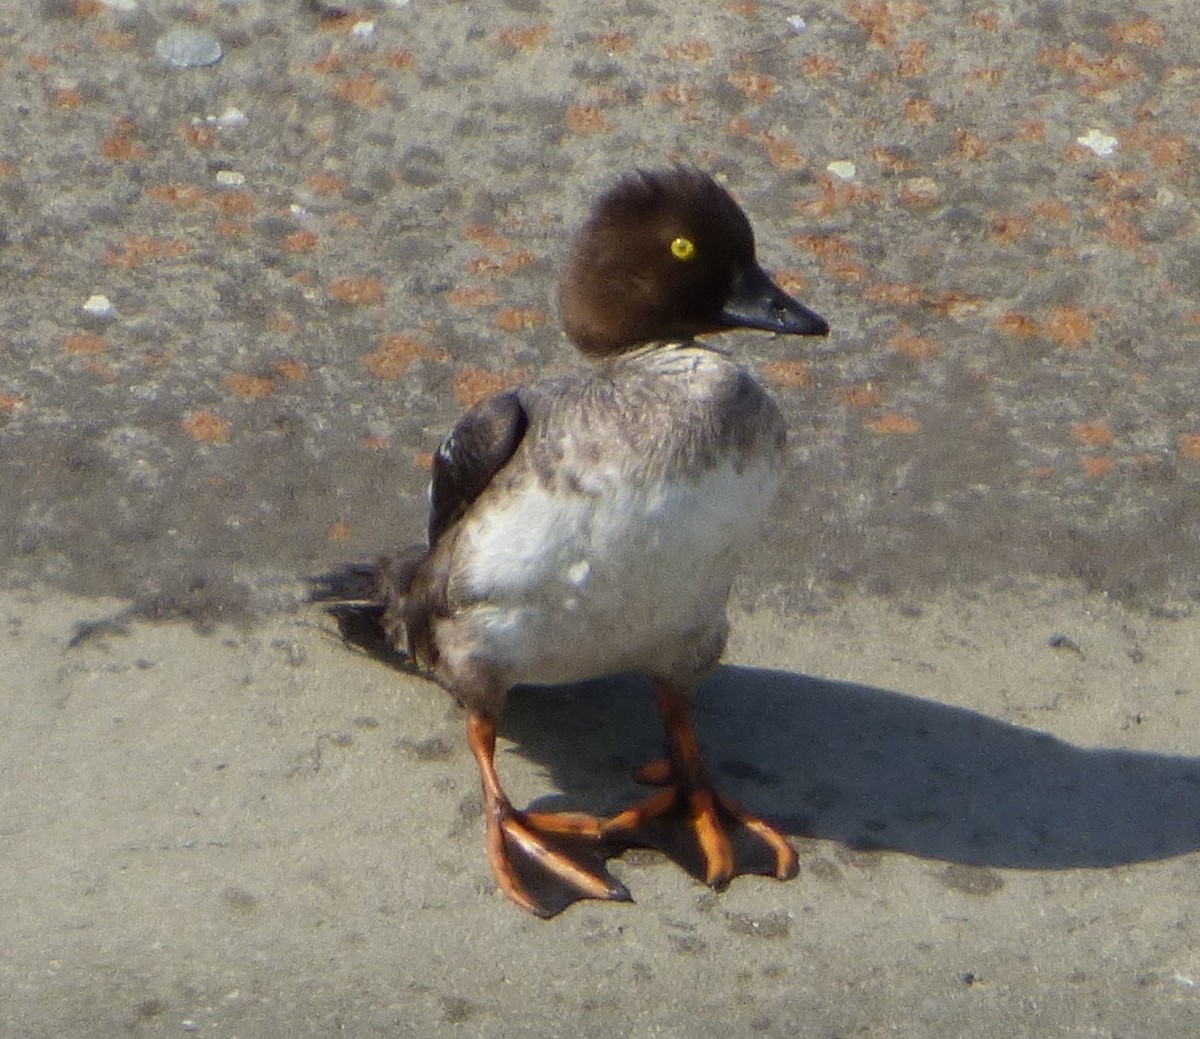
366 599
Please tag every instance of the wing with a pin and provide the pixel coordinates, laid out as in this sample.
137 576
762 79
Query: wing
478 447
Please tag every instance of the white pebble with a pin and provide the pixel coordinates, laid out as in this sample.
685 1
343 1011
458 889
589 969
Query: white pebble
231 117
1098 142
797 23
98 306
842 169
363 29
188 48
230 178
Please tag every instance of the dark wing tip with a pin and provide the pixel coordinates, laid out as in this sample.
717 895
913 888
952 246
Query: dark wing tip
481 444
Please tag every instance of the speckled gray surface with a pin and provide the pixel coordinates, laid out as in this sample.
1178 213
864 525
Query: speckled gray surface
1010 387
318 250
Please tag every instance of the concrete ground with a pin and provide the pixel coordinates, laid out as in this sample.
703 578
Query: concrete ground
963 669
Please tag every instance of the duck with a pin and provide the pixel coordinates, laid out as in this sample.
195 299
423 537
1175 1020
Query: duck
591 525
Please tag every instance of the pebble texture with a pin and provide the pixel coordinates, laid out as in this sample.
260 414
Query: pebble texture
305 295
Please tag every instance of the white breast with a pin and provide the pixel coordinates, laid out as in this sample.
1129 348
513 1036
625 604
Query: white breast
567 585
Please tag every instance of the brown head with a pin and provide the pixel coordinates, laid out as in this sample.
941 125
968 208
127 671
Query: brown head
668 255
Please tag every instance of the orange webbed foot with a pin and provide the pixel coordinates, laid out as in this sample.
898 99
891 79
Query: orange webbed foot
543 861
545 870
710 836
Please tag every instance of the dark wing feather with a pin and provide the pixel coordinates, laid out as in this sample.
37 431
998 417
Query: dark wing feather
478 447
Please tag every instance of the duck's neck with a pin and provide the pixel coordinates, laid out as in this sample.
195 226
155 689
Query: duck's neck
659 346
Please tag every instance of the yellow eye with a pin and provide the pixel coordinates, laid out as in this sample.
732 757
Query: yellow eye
683 249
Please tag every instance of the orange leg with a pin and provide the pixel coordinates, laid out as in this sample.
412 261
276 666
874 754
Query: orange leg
543 861
708 819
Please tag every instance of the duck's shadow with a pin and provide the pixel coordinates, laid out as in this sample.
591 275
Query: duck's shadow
874 768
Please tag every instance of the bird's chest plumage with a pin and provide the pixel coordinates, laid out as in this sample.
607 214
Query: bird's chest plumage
611 541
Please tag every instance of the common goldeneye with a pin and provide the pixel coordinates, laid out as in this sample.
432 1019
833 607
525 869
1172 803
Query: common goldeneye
591 525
